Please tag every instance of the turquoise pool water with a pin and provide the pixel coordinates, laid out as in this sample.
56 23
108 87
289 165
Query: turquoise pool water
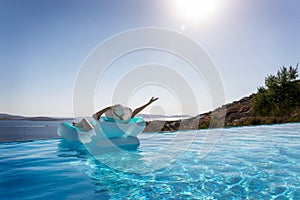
260 162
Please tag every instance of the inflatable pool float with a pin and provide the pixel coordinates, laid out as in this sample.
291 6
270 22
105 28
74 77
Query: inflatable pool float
106 132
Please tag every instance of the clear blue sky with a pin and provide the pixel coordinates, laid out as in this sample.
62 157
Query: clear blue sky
44 42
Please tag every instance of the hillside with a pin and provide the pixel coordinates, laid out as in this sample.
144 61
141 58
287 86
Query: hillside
276 102
238 113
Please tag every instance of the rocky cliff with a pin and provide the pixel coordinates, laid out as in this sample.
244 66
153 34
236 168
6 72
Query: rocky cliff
237 113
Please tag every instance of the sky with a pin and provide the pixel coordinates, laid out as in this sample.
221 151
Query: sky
44 43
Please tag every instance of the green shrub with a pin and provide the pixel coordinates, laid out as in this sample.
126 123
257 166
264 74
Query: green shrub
280 95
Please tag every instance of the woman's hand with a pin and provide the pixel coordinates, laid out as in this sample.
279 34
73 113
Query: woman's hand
139 109
152 100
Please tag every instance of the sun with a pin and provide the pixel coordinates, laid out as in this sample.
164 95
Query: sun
196 9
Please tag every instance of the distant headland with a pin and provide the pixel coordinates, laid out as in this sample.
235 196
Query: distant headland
4 116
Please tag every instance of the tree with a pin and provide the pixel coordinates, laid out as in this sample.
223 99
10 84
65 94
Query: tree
281 94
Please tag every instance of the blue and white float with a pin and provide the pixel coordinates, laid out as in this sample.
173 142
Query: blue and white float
106 133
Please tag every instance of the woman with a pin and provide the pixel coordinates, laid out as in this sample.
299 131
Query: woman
121 112
115 112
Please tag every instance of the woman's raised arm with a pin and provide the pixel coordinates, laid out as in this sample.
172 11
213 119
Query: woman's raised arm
139 109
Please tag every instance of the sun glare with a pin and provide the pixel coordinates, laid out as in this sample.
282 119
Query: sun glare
196 9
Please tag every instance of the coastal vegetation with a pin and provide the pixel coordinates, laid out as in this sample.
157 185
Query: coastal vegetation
280 96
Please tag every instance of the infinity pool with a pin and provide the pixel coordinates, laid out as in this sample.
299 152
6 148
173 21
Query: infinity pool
259 162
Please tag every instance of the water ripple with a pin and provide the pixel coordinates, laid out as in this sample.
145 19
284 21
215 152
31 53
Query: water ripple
247 163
